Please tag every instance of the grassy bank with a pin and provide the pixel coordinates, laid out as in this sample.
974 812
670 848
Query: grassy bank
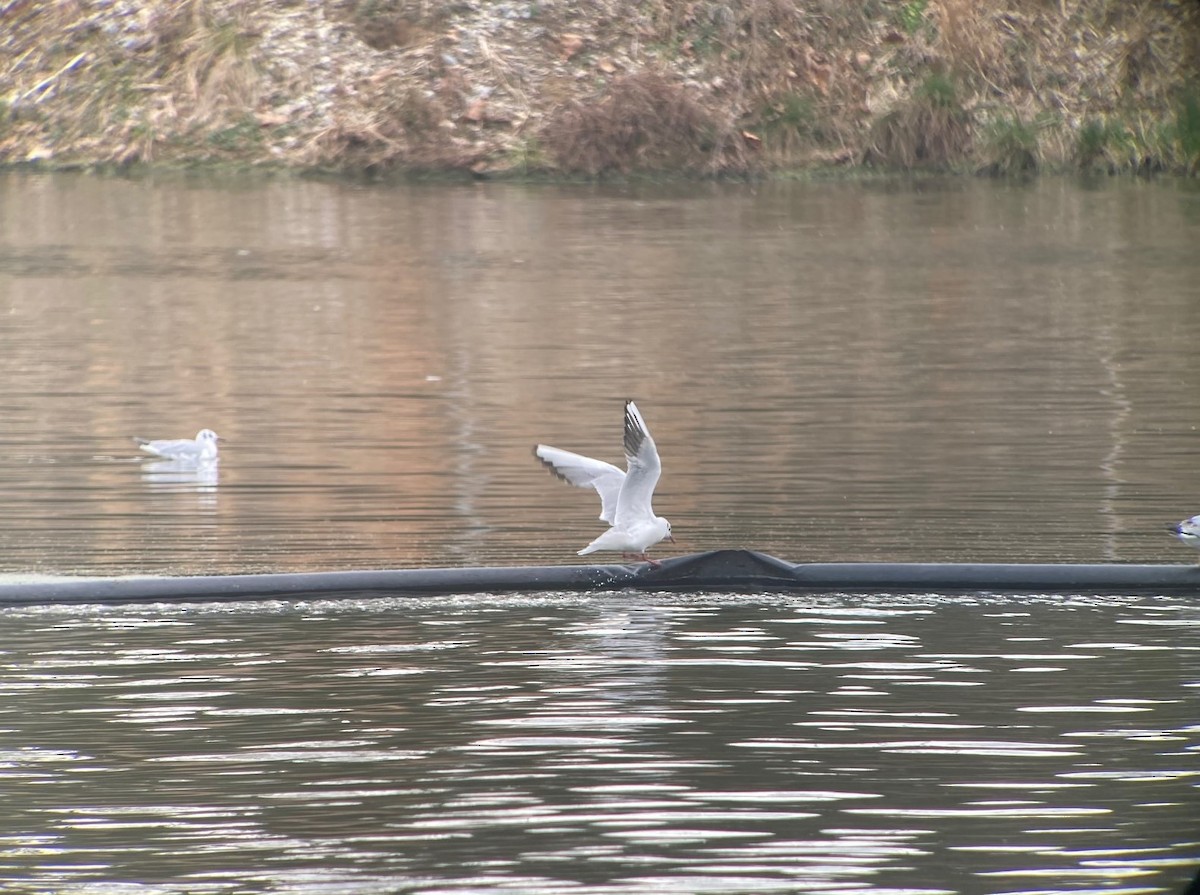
529 87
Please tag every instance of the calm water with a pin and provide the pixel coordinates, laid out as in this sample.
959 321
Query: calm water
605 743
958 370
951 371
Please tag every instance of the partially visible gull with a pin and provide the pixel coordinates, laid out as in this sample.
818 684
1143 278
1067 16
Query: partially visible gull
624 496
1187 531
201 449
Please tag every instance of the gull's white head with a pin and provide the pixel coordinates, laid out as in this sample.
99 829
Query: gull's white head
207 439
663 529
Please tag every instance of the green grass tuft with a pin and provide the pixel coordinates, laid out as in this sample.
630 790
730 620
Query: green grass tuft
939 91
1187 132
912 16
1010 146
1103 144
789 121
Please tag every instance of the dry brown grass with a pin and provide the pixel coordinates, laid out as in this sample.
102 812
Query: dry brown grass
1071 53
611 86
928 130
203 51
405 130
973 39
85 89
383 24
642 122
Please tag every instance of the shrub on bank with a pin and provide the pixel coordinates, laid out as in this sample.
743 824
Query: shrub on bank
642 122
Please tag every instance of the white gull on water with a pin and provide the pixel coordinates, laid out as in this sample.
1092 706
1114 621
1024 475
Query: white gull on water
201 449
624 496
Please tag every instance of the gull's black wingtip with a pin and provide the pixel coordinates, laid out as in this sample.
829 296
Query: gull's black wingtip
635 430
547 465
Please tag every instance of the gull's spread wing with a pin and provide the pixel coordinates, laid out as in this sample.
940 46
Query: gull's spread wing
584 472
641 455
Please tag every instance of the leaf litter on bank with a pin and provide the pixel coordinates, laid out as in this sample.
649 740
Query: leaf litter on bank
704 87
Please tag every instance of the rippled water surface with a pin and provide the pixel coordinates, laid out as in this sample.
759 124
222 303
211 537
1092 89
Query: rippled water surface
603 743
960 370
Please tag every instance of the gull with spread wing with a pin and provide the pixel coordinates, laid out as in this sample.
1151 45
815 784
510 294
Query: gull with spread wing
624 496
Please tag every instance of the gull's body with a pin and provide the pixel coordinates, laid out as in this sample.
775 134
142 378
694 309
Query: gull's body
625 497
201 449
1188 531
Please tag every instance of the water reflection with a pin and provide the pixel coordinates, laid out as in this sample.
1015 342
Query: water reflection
181 475
954 370
615 743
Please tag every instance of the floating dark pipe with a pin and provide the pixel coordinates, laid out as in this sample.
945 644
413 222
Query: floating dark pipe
718 570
